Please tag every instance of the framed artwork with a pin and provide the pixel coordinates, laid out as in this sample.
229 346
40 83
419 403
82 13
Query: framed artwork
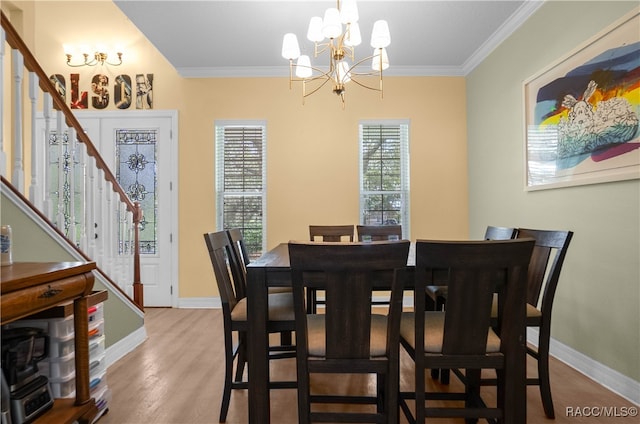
582 112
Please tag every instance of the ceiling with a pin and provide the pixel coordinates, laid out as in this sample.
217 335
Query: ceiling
217 38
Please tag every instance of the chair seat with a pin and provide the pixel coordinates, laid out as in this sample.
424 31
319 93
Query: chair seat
280 308
316 335
534 315
434 332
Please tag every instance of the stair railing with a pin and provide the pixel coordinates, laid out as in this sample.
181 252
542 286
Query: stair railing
70 183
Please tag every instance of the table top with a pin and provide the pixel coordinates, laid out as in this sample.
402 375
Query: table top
21 275
278 257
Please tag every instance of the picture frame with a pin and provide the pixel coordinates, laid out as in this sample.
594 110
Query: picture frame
582 112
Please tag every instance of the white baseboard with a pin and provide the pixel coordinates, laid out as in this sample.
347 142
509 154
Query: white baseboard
125 345
600 373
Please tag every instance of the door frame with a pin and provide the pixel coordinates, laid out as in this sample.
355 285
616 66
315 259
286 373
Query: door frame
172 151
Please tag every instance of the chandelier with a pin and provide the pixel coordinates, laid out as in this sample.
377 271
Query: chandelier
329 35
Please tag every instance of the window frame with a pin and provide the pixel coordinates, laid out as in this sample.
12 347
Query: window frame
404 128
219 129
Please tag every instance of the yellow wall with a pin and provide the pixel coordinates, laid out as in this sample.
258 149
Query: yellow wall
312 150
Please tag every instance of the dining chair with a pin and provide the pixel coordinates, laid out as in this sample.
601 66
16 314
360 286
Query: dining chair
333 233
348 338
379 232
239 271
461 336
544 273
234 313
542 281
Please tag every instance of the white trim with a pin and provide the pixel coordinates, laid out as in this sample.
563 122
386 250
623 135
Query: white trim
119 349
524 12
600 373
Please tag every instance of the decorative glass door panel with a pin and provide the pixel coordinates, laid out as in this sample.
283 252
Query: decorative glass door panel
136 171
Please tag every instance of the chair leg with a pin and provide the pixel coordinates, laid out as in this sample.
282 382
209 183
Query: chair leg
285 338
445 376
242 356
543 377
472 390
228 375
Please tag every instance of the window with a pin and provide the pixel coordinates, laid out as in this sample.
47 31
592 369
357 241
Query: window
384 173
241 180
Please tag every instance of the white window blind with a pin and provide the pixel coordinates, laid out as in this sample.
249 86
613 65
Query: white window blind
240 180
384 173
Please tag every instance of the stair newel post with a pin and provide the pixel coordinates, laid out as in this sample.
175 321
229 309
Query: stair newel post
18 160
138 292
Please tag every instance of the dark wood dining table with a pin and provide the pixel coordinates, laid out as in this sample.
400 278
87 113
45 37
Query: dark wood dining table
272 270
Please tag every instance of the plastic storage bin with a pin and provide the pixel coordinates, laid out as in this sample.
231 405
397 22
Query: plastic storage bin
96 346
58 367
96 313
61 346
64 387
55 327
97 367
96 329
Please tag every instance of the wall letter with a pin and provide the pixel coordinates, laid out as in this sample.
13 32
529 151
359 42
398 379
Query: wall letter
122 92
61 86
77 102
144 91
99 86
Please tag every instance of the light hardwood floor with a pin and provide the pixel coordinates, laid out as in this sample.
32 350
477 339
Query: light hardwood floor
176 376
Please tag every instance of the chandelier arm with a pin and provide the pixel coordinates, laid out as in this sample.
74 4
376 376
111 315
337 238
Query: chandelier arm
323 74
365 86
326 80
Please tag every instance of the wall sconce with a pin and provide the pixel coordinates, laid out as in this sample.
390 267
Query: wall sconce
92 59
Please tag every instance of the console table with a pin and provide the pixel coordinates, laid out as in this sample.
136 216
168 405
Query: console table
28 288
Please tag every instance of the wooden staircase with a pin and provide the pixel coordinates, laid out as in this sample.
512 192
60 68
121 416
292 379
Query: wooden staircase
68 186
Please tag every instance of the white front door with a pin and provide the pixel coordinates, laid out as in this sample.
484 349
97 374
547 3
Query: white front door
139 149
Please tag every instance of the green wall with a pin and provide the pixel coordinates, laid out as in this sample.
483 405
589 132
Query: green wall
596 309
32 243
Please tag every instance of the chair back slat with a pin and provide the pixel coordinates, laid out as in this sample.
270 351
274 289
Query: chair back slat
468 311
341 289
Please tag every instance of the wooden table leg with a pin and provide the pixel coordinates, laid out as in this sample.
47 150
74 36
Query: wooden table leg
258 345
